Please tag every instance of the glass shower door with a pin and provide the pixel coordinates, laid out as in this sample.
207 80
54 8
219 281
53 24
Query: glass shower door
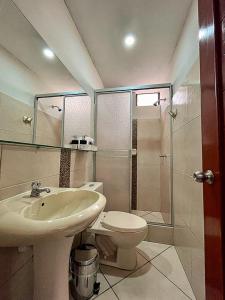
113 159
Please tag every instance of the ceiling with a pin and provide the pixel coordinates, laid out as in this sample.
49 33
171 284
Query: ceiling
19 38
157 25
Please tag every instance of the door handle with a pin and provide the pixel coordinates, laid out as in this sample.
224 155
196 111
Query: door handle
206 176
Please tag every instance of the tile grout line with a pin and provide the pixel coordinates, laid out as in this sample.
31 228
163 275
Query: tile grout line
115 293
147 262
96 297
172 282
169 246
186 123
184 269
159 272
132 272
20 268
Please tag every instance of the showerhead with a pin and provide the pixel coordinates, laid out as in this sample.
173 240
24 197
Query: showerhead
158 102
56 106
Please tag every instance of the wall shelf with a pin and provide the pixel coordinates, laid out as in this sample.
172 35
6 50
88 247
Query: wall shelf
91 148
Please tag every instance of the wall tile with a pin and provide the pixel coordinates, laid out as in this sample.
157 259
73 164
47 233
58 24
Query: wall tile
20 165
11 261
187 194
193 146
51 181
20 286
12 127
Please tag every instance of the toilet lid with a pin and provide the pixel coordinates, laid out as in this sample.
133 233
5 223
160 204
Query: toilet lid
123 222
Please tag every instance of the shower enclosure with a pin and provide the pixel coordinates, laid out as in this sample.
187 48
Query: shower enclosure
132 129
134 158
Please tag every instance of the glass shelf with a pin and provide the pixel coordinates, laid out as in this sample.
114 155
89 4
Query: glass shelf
72 148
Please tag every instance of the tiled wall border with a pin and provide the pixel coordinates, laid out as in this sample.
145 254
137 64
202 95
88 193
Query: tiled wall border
134 166
64 176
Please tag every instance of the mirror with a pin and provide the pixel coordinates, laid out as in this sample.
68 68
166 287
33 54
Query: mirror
28 68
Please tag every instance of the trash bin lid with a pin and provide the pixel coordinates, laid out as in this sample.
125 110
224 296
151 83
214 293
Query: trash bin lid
85 254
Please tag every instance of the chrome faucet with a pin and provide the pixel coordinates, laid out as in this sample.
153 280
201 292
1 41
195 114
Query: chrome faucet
37 190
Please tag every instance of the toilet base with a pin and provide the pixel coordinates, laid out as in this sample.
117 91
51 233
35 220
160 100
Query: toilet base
126 259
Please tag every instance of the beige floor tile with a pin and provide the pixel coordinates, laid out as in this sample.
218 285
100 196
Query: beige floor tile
169 264
114 275
108 295
148 284
155 217
140 213
150 250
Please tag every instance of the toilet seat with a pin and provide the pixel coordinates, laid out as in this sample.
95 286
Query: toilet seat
123 222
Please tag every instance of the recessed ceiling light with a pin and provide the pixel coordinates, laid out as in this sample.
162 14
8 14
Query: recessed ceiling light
129 40
48 53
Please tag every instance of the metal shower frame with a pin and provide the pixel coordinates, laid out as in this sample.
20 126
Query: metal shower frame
132 89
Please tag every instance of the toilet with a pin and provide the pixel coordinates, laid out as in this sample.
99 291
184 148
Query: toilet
116 234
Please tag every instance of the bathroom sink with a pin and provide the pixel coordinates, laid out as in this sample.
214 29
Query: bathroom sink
62 213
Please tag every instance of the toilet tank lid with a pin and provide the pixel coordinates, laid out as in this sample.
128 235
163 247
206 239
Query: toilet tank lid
91 186
123 222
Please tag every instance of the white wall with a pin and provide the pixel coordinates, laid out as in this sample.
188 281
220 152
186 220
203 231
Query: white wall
16 80
187 50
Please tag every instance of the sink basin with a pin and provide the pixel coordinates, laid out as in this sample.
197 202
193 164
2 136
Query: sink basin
61 205
63 212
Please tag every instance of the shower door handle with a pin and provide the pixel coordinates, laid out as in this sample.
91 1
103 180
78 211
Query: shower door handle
206 176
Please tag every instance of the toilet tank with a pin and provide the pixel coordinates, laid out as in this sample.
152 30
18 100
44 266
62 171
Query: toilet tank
93 186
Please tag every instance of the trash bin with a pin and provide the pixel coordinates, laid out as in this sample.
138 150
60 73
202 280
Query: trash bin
84 265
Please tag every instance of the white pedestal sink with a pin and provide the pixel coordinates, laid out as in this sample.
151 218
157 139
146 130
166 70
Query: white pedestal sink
49 222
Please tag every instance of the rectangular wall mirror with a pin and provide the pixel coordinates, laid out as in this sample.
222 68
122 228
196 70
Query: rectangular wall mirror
28 68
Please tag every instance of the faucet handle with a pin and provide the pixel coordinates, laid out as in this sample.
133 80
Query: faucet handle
35 184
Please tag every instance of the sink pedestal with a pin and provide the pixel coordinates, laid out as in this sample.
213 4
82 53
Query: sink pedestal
51 269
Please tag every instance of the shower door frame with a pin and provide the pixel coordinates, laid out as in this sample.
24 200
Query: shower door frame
131 89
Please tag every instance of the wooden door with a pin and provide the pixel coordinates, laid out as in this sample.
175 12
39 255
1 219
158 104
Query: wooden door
211 65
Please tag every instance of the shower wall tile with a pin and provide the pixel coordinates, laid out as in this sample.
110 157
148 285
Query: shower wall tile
187 194
48 130
49 122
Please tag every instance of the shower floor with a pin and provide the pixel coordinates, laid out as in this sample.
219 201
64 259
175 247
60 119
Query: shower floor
149 216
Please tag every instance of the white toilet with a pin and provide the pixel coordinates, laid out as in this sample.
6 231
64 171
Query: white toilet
117 234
